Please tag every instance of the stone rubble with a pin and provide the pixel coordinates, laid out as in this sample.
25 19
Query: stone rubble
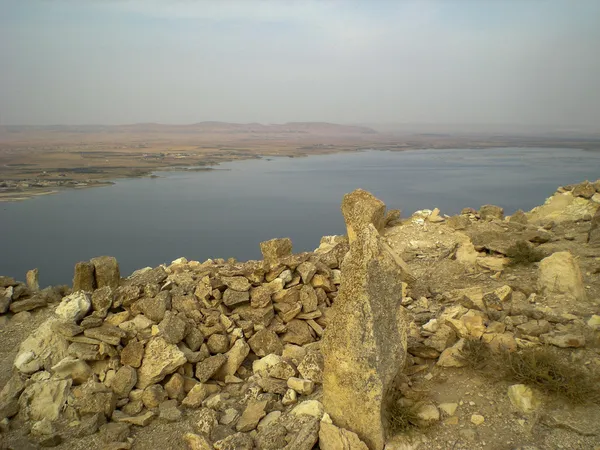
271 354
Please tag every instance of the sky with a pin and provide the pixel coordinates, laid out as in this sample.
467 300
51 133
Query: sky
525 62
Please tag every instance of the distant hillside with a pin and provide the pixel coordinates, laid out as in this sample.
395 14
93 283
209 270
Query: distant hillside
311 128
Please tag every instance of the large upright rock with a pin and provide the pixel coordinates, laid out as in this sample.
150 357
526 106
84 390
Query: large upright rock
83 280
365 341
361 208
106 269
559 274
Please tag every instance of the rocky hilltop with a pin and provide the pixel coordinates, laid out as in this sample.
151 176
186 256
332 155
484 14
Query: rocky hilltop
476 331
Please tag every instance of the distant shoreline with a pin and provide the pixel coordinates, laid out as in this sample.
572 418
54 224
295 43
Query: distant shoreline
20 186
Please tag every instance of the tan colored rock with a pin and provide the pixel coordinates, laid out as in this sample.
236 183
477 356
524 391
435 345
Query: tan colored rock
196 442
32 280
523 398
207 368
235 357
364 346
594 232
559 274
334 438
265 342
255 410
160 359
44 399
361 208
44 348
84 280
562 207
153 396
77 370
301 386
198 394
489 212
124 381
276 249
106 271
74 307
132 354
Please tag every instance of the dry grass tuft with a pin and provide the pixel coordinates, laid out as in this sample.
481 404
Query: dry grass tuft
544 368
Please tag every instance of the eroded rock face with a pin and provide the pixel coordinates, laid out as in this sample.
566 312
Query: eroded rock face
559 274
365 349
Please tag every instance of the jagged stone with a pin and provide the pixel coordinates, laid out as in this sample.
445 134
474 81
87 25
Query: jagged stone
106 271
153 396
275 249
489 212
559 274
160 359
196 442
106 333
265 342
172 327
44 399
593 237
205 421
207 368
153 308
27 304
217 343
198 394
298 332
84 280
132 354
237 441
311 366
254 411
44 348
235 358
74 307
523 398
92 398
372 322
76 369
124 381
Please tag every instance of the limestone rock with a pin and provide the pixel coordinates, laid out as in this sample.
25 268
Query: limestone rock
106 271
265 342
153 308
196 442
106 333
427 415
276 249
207 368
132 354
232 297
172 327
237 441
32 280
489 212
334 438
298 332
44 399
83 279
74 307
366 347
153 396
255 410
160 359
124 381
303 387
523 398
198 394
235 357
559 274
311 367
76 369
563 339
92 398
205 421
44 348
218 343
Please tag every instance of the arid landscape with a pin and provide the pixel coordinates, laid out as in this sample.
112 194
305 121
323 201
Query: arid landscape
42 160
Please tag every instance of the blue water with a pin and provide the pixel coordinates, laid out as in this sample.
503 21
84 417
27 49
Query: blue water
227 212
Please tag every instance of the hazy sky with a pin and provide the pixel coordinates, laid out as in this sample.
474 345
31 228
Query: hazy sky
526 62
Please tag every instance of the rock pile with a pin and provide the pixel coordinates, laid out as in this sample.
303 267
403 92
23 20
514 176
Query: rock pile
235 345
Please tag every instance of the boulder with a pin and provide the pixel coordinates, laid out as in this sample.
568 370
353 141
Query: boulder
84 280
160 359
365 343
559 274
106 271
